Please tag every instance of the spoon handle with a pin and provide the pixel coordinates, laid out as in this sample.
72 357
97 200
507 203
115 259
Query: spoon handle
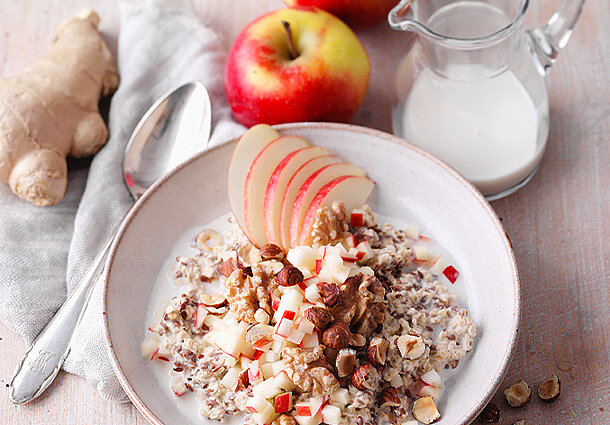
43 360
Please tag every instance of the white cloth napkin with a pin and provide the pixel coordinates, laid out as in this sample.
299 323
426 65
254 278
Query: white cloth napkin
45 251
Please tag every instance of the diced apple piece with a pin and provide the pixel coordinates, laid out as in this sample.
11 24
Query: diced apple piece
309 191
356 219
267 389
364 247
283 328
438 266
412 232
283 403
451 273
281 380
150 346
432 378
310 341
257 179
249 146
262 344
262 411
305 326
428 390
331 415
303 257
312 293
201 314
295 336
278 367
303 409
231 377
276 187
292 190
340 397
178 386
352 190
316 403
309 420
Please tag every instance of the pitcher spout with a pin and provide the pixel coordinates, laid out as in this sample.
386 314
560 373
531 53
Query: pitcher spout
402 17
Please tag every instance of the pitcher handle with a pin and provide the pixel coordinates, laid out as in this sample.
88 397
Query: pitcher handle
552 37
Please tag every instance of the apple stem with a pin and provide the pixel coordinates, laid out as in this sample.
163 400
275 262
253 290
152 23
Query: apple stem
293 54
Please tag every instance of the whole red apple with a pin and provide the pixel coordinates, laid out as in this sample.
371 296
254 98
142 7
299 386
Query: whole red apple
357 13
296 64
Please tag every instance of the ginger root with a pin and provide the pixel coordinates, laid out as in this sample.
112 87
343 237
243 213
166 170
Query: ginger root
51 111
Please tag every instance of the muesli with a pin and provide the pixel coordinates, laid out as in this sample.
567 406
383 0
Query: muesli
351 330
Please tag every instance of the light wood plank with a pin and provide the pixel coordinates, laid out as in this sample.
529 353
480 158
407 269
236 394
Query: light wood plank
559 223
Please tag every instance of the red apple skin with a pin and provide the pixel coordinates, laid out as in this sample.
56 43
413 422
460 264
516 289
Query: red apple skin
325 82
358 14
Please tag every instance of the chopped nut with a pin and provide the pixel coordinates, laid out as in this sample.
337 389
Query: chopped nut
411 346
289 276
307 370
377 351
425 411
357 340
285 419
271 251
490 414
550 389
258 332
346 361
330 294
205 236
319 316
519 422
517 395
337 335
243 381
261 316
227 267
389 398
359 378
216 301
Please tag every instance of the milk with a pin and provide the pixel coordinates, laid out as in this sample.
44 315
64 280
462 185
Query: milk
485 127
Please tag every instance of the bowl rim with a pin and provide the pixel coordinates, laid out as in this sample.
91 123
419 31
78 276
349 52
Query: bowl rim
133 212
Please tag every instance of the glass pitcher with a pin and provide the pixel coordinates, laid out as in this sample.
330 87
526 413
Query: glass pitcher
472 90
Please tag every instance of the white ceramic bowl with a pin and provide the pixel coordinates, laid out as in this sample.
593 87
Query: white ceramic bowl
412 186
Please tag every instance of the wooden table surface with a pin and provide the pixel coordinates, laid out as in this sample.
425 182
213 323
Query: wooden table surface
559 223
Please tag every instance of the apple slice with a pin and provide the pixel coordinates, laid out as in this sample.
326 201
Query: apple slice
272 208
309 190
257 180
249 146
292 190
353 191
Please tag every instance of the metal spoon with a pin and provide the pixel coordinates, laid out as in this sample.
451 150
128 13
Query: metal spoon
174 128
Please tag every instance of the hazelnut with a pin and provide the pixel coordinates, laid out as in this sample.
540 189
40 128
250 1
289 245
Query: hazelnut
346 361
517 395
360 375
289 276
337 335
258 332
357 340
319 317
411 346
377 351
330 294
389 398
217 300
425 411
550 389
271 251
490 414
285 419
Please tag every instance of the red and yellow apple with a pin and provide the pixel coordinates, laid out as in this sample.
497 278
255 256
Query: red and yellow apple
296 64
357 13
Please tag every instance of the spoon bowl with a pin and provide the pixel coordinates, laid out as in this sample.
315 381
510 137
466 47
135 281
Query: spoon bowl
174 128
